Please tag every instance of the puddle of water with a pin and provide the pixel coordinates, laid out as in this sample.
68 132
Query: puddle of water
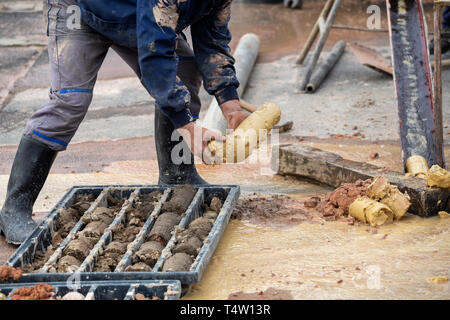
331 261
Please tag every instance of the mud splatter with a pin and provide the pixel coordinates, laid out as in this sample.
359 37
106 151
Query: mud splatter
165 13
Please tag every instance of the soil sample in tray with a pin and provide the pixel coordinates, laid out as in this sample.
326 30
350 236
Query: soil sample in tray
124 234
68 218
95 224
180 200
189 241
172 211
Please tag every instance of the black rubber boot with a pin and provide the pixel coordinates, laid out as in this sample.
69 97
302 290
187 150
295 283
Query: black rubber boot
29 171
170 173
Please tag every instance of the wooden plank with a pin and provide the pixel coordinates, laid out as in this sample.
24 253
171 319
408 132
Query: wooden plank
331 169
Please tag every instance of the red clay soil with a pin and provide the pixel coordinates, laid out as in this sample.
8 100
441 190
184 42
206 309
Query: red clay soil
37 292
7 272
335 204
269 294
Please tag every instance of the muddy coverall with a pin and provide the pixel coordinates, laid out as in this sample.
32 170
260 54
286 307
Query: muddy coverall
148 35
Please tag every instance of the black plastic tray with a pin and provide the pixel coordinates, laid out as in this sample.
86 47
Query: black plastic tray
107 290
41 238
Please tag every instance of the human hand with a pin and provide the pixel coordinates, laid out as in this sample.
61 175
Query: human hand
233 113
197 138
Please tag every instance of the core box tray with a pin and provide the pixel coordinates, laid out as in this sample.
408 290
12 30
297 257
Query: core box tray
109 290
41 237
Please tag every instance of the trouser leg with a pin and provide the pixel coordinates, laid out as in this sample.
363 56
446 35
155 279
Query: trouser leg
75 56
188 71
175 167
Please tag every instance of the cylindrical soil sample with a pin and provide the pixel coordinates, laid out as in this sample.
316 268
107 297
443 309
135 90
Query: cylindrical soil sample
150 252
438 177
180 200
178 262
138 267
417 166
68 264
370 211
164 225
94 229
200 227
239 144
383 191
103 214
190 245
78 248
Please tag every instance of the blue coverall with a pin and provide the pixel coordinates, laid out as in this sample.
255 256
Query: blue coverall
148 35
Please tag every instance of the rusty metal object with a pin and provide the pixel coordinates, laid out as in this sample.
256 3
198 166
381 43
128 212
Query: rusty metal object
413 82
315 30
322 72
331 169
438 7
371 58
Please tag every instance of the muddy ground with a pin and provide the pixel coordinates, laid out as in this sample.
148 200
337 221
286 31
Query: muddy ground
289 249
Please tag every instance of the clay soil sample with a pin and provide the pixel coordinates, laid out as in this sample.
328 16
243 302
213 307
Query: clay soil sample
136 216
68 218
7 273
37 292
95 224
334 206
180 200
276 211
161 232
188 242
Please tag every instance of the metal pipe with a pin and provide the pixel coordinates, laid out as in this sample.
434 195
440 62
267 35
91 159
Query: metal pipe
320 44
245 58
314 32
438 81
326 67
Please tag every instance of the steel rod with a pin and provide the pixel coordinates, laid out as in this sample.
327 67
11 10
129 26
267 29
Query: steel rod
322 72
320 45
314 32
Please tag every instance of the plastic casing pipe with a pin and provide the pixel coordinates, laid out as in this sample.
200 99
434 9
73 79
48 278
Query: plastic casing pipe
245 57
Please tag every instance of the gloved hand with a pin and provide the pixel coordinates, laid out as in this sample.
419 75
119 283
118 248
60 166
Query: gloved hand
294 4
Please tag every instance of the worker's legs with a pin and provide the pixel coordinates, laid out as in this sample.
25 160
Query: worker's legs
174 167
75 56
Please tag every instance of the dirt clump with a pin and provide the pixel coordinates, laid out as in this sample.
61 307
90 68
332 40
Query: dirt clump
277 211
178 262
149 252
7 272
188 244
68 218
138 267
164 225
334 205
68 264
37 292
135 218
269 294
181 199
